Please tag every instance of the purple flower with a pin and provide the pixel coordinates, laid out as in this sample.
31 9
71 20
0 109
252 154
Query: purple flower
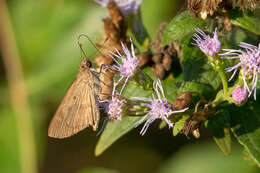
159 108
249 64
129 63
126 6
114 107
239 95
209 46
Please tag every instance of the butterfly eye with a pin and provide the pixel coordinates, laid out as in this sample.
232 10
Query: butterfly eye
89 64
86 64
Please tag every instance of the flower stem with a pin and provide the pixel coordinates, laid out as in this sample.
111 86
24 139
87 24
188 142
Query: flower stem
218 65
224 82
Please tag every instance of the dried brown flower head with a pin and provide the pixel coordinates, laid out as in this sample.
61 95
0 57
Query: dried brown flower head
203 8
144 58
115 33
183 100
247 4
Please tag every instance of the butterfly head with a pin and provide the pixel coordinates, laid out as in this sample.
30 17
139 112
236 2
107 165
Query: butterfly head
85 64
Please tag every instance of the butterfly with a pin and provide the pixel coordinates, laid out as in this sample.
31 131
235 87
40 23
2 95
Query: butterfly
79 107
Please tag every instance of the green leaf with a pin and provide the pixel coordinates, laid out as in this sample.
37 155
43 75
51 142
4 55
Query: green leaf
244 20
181 26
224 143
116 129
162 125
143 79
178 126
232 39
218 125
113 131
170 89
200 88
246 128
196 67
258 84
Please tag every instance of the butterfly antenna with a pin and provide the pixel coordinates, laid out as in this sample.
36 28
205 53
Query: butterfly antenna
81 48
80 45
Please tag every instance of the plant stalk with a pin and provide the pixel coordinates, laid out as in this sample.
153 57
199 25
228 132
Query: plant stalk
18 93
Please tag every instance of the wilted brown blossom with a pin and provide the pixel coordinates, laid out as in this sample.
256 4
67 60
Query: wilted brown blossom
247 4
163 56
203 8
183 100
194 122
115 33
144 58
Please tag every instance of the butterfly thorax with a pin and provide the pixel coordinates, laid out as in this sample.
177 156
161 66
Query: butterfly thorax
88 75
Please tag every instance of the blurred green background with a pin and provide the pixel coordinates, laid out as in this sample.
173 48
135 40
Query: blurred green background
46 34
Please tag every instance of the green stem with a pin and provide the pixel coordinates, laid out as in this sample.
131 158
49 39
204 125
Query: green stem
218 65
224 82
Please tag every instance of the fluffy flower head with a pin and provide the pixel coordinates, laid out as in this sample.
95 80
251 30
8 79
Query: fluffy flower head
128 65
158 108
115 107
208 45
249 62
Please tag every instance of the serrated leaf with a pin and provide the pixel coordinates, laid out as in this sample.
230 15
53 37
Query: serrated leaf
178 126
246 128
181 26
246 21
113 131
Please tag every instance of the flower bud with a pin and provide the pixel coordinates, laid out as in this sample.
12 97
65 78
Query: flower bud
239 95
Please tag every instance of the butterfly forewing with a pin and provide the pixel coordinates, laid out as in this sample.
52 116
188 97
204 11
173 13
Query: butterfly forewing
79 107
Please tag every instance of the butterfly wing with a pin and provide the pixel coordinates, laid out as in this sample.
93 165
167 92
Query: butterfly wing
78 109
